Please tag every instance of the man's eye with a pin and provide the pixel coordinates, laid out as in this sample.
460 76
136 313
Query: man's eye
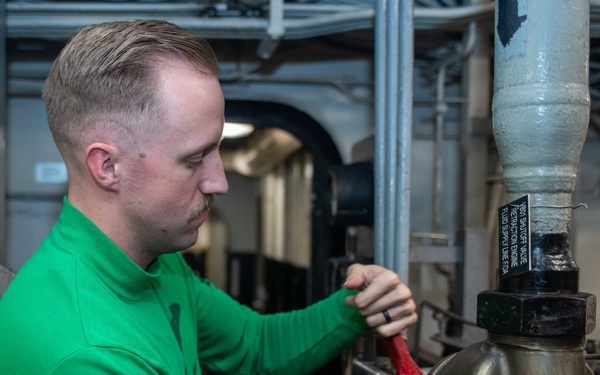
194 163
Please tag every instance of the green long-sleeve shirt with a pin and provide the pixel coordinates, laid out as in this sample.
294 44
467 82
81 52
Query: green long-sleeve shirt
81 306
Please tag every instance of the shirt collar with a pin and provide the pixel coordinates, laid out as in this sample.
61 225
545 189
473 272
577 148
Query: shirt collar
78 235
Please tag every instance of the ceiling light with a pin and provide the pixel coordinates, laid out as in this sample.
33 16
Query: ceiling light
236 130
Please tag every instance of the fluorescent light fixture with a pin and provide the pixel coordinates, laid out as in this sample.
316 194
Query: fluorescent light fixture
236 130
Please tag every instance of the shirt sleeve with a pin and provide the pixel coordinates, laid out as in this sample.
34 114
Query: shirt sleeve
233 338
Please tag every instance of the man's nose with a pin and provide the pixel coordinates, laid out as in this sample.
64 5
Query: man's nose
215 181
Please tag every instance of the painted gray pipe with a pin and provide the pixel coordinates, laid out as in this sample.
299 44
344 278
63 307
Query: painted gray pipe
394 56
537 320
47 19
440 109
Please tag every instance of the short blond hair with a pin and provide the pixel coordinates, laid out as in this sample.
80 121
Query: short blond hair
105 80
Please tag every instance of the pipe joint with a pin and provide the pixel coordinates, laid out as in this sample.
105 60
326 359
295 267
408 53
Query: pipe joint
537 315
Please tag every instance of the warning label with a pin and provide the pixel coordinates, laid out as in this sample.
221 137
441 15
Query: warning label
514 238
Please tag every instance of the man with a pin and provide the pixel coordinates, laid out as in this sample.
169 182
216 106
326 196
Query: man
136 111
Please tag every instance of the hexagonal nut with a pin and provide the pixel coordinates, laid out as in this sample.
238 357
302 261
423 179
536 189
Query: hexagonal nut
547 315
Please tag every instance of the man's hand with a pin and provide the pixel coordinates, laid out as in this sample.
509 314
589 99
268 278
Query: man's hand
379 290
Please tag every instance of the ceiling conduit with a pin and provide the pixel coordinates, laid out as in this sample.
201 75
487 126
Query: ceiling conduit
394 60
58 20
53 20
394 56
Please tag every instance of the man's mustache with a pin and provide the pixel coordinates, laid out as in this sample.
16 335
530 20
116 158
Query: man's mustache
204 205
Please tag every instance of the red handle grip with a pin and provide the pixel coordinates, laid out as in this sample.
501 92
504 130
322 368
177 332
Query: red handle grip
400 356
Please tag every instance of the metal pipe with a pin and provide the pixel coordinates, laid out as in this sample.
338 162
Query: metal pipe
3 126
540 115
103 7
380 169
440 109
60 20
61 26
393 123
379 162
438 152
541 99
537 319
392 99
405 115
161 8
275 30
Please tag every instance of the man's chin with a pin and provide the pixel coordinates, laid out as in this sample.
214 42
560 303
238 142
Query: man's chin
190 239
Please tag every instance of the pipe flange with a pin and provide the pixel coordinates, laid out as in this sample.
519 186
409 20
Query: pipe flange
549 315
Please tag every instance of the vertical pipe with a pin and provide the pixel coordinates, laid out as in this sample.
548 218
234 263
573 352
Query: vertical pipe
394 42
541 105
380 126
438 152
275 30
540 116
440 109
3 125
537 319
391 129
405 103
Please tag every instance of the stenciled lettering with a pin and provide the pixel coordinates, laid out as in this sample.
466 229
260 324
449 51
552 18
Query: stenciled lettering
504 231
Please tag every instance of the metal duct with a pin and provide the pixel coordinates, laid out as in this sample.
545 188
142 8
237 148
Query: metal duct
537 319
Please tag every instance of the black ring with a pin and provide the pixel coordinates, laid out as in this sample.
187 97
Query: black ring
387 316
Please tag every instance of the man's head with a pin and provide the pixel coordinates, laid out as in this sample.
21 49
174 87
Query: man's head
105 81
136 109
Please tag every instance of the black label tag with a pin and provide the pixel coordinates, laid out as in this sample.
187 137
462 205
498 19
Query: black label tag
514 238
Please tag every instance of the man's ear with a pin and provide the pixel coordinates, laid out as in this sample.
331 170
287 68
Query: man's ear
101 160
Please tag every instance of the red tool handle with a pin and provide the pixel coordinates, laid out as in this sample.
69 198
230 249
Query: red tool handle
400 356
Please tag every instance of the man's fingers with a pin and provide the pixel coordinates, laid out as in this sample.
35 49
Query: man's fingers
378 288
394 313
397 326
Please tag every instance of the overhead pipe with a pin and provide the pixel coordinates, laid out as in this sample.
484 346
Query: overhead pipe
182 8
103 7
537 319
53 20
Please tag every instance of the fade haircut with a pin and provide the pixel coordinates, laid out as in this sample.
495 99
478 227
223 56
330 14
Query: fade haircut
104 83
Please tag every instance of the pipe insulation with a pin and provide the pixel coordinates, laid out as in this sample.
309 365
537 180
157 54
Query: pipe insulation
540 115
537 319
540 109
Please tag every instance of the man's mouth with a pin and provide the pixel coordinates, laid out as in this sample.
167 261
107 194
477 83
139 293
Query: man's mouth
200 208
